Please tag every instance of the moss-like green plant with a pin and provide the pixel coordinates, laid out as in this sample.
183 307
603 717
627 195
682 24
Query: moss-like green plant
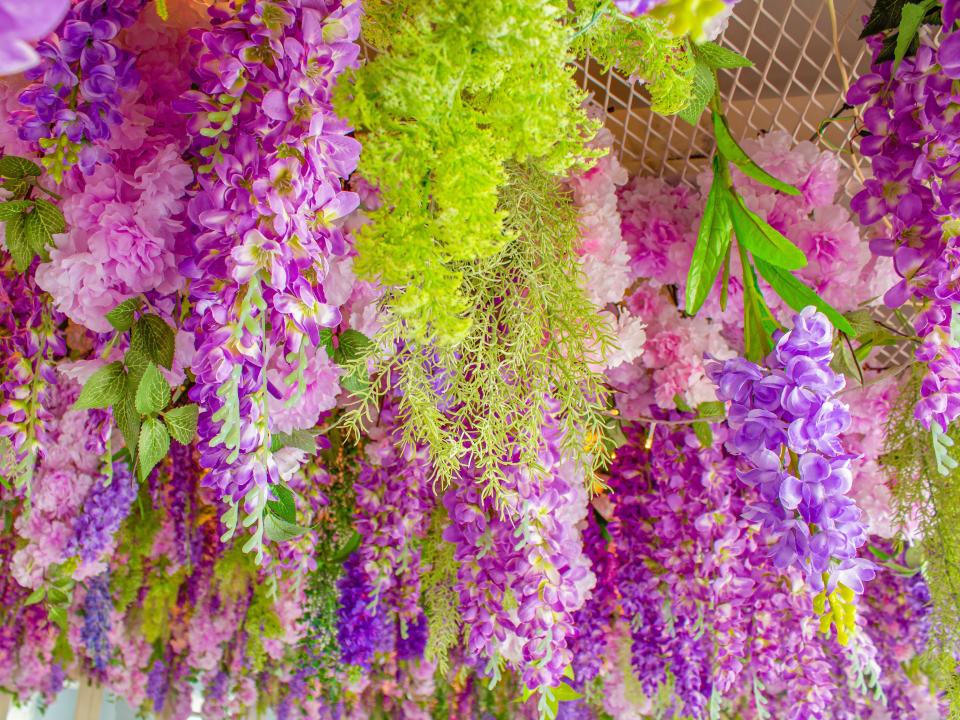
641 48
458 91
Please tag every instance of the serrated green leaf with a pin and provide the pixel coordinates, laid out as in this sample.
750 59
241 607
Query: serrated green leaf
911 17
285 506
153 392
798 296
712 409
12 166
102 389
717 57
713 241
154 338
121 317
182 422
701 92
127 418
351 345
49 215
300 439
326 340
762 240
704 434
13 208
730 149
17 244
355 383
137 363
279 530
154 445
37 234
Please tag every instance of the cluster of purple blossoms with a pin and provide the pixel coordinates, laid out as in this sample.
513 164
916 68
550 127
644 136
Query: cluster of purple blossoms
265 221
394 500
97 606
359 632
157 685
75 95
29 345
786 422
523 573
105 508
913 143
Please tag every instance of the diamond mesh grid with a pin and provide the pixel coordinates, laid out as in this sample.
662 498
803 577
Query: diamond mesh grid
804 54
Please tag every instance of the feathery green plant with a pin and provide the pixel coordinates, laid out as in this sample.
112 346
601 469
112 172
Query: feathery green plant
531 336
928 493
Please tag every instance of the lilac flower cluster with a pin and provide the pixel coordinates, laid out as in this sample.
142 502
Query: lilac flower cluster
914 146
359 632
394 500
74 98
105 507
264 221
97 606
786 422
522 573
29 344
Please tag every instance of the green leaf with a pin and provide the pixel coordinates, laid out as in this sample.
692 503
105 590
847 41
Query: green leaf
182 422
154 338
49 216
127 418
326 339
162 12
717 57
756 339
731 150
704 434
762 240
102 389
154 446
121 317
13 208
911 17
798 296
352 345
300 439
713 409
713 241
17 168
356 383
137 363
941 450
17 244
352 543
153 392
702 91
285 506
279 530
565 693
36 596
845 361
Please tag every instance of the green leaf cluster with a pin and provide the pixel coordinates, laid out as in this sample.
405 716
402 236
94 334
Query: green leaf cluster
761 249
527 353
138 393
30 222
457 92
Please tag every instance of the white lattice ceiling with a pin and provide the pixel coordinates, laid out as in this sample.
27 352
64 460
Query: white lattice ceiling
803 61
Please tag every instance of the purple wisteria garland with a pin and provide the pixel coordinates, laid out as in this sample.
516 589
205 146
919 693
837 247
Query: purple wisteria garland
786 422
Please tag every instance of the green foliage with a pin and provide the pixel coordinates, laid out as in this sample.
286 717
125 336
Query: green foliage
440 600
31 222
713 243
532 332
442 110
924 494
639 47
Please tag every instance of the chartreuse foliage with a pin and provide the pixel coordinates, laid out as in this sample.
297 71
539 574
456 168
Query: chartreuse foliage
925 479
678 74
531 334
458 91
